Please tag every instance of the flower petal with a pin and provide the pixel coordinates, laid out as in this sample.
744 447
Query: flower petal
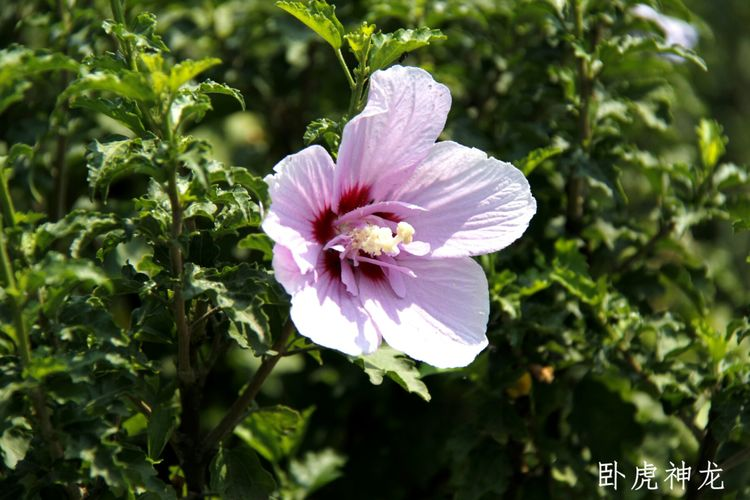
475 204
406 111
327 314
286 270
443 315
300 191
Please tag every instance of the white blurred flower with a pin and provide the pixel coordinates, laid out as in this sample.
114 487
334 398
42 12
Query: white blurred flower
676 31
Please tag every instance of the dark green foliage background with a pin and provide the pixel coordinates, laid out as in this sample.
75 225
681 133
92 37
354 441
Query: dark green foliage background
619 323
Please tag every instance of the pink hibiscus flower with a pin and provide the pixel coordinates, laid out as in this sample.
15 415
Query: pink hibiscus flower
379 245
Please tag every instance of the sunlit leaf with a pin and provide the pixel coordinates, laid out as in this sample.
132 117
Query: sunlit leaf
319 16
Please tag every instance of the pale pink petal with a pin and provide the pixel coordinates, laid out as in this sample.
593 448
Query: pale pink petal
286 270
300 191
442 317
406 111
348 278
396 208
326 313
475 204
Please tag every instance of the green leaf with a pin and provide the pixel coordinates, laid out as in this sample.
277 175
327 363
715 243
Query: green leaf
240 291
84 225
60 277
537 157
387 362
313 471
275 432
124 83
260 242
191 102
109 161
319 17
189 106
15 442
184 71
729 175
325 130
117 109
13 93
570 270
738 328
388 47
237 474
161 425
615 47
18 64
141 33
221 174
711 141
212 87
359 42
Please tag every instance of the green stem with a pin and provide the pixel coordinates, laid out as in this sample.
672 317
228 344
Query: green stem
237 412
6 204
574 186
348 73
38 401
357 93
9 280
118 11
184 370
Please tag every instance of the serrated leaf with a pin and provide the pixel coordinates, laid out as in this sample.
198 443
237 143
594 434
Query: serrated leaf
319 16
83 224
238 210
315 470
184 71
189 106
387 362
274 432
325 130
630 44
240 291
191 102
109 161
212 87
219 173
537 157
359 42
141 33
388 47
570 270
124 83
18 63
60 277
237 474
118 109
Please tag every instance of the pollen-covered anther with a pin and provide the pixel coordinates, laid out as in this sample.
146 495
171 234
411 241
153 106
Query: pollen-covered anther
405 231
377 240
